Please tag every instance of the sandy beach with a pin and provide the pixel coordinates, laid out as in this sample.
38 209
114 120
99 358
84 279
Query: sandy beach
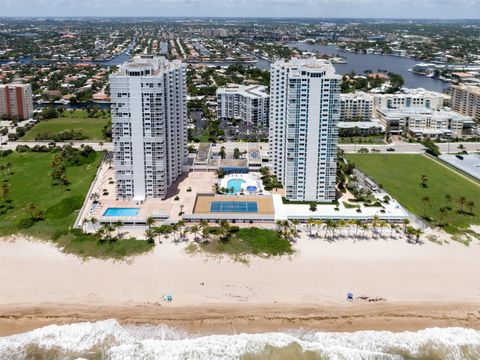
420 286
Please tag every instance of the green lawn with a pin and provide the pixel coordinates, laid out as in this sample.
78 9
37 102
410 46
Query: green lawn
77 120
30 183
400 174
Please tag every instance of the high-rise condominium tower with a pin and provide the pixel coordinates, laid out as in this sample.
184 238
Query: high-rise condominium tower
149 115
304 111
16 101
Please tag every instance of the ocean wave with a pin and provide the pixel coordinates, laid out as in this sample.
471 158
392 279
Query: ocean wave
112 341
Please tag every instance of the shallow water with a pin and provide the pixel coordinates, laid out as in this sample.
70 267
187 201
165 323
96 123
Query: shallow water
109 340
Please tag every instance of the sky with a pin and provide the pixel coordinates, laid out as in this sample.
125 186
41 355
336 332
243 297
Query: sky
441 9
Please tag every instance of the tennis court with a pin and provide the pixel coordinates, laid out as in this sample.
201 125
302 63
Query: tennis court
233 207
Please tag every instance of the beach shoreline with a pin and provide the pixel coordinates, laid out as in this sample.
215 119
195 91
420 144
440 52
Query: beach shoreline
415 286
255 318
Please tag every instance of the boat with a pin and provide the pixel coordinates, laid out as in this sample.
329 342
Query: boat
338 60
62 102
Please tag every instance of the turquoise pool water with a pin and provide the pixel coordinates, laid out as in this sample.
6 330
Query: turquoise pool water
236 184
121 212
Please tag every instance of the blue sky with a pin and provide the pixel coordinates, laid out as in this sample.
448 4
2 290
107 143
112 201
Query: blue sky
250 8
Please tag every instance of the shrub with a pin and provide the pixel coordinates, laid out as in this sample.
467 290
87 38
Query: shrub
26 223
234 229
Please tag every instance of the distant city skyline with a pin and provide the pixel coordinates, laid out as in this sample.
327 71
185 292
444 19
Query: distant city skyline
405 9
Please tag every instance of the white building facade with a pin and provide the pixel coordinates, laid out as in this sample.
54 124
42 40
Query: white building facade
248 103
426 123
356 106
149 125
304 111
409 99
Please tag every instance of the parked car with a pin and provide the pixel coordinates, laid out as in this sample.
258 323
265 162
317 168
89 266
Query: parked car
390 149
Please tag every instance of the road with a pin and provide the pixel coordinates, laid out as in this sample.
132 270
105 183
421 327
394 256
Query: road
412 148
95 145
400 147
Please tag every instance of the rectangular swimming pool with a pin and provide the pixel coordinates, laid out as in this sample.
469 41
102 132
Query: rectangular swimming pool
234 207
121 212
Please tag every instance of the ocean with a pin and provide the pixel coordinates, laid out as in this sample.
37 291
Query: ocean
110 340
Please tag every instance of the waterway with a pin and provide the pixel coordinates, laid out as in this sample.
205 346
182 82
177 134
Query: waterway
361 62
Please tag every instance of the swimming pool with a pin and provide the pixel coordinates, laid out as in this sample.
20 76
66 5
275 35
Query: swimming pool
121 212
234 207
236 185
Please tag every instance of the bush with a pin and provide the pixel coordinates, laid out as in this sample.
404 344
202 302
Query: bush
23 148
4 153
233 229
26 223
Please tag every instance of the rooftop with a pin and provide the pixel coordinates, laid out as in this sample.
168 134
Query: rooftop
253 91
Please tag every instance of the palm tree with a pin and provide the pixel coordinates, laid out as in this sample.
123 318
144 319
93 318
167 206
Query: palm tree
341 225
424 180
392 228
204 229
84 224
358 223
94 221
310 223
328 226
426 202
462 201
375 221
118 225
350 223
295 224
195 229
225 224
150 235
95 197
417 234
461 147
364 227
406 222
31 209
443 211
383 224
216 188
179 226
149 222
448 199
470 205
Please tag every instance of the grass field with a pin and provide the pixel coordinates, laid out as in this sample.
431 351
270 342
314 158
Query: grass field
77 120
30 183
400 175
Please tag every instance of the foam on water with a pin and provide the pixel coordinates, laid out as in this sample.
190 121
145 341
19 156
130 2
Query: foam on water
109 340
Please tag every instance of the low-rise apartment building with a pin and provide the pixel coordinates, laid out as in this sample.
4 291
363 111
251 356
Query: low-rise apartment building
356 106
409 99
426 123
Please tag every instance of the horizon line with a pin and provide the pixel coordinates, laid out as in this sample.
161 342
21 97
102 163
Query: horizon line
230 17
